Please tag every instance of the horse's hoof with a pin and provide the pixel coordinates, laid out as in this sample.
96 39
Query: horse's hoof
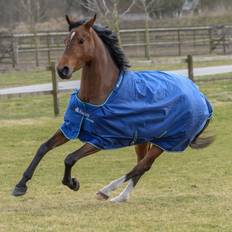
75 184
19 190
101 196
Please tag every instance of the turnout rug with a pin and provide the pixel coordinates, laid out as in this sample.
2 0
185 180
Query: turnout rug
163 108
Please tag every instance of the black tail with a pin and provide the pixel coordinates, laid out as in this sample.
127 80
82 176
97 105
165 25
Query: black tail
200 143
203 139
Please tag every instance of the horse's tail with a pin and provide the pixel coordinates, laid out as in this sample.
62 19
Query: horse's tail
203 139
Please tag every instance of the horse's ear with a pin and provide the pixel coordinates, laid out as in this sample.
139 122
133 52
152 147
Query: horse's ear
90 22
69 21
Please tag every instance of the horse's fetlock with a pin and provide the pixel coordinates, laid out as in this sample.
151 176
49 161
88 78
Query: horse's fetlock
26 177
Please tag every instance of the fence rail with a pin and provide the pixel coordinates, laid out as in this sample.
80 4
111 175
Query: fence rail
41 48
54 89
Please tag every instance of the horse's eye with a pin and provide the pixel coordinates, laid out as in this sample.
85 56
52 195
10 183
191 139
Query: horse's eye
81 41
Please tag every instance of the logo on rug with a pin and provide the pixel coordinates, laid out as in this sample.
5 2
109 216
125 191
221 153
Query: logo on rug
80 111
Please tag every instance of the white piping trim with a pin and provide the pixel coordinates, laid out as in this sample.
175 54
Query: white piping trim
92 144
79 139
77 133
160 147
64 134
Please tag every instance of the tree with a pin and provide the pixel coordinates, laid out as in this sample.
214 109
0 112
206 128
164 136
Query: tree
110 11
147 7
34 11
28 11
160 8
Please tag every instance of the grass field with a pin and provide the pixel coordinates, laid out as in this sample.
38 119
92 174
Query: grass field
189 191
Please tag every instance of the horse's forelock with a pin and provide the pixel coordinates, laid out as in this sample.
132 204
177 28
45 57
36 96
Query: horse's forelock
76 24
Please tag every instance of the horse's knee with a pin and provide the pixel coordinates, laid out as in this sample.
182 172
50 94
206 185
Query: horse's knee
69 161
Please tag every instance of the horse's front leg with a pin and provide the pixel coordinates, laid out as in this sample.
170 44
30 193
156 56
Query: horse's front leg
71 159
56 140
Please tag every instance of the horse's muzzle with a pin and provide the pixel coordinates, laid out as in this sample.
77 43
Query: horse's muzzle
64 72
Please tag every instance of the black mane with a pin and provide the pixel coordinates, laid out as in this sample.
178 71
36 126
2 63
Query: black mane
110 40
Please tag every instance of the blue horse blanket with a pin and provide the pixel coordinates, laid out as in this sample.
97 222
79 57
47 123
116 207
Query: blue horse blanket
162 108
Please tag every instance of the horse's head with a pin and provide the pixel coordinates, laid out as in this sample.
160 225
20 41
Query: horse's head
79 48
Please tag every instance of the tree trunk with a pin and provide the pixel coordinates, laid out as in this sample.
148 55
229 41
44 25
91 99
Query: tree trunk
147 36
116 21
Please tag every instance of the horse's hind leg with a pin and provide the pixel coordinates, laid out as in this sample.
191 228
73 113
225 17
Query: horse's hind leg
141 150
134 175
104 193
56 140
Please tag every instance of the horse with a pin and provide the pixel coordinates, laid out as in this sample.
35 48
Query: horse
152 110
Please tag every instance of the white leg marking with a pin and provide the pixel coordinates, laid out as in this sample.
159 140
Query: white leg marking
124 195
112 185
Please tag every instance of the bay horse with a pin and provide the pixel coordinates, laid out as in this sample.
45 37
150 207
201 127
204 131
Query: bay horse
114 107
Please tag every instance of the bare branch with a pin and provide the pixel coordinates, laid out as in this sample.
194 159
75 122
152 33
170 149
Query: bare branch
107 10
149 6
90 5
129 8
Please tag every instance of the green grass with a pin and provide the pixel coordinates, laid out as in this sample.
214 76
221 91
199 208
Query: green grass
12 79
168 63
21 78
189 191
183 192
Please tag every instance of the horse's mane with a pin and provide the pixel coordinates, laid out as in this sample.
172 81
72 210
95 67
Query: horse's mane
110 40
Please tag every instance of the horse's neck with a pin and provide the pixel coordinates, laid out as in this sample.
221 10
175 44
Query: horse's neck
99 76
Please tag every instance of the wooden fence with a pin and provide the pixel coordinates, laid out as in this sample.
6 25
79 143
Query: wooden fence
40 49
54 89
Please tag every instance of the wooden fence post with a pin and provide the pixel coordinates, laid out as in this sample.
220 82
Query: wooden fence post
179 43
224 40
48 47
14 55
55 89
194 39
36 49
147 43
210 40
189 61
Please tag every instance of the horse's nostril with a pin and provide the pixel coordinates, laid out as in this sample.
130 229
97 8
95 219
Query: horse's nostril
65 70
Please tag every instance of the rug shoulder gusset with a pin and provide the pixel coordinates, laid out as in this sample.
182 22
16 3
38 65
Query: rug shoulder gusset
73 118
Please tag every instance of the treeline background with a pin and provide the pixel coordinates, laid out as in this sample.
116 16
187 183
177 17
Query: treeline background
31 15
